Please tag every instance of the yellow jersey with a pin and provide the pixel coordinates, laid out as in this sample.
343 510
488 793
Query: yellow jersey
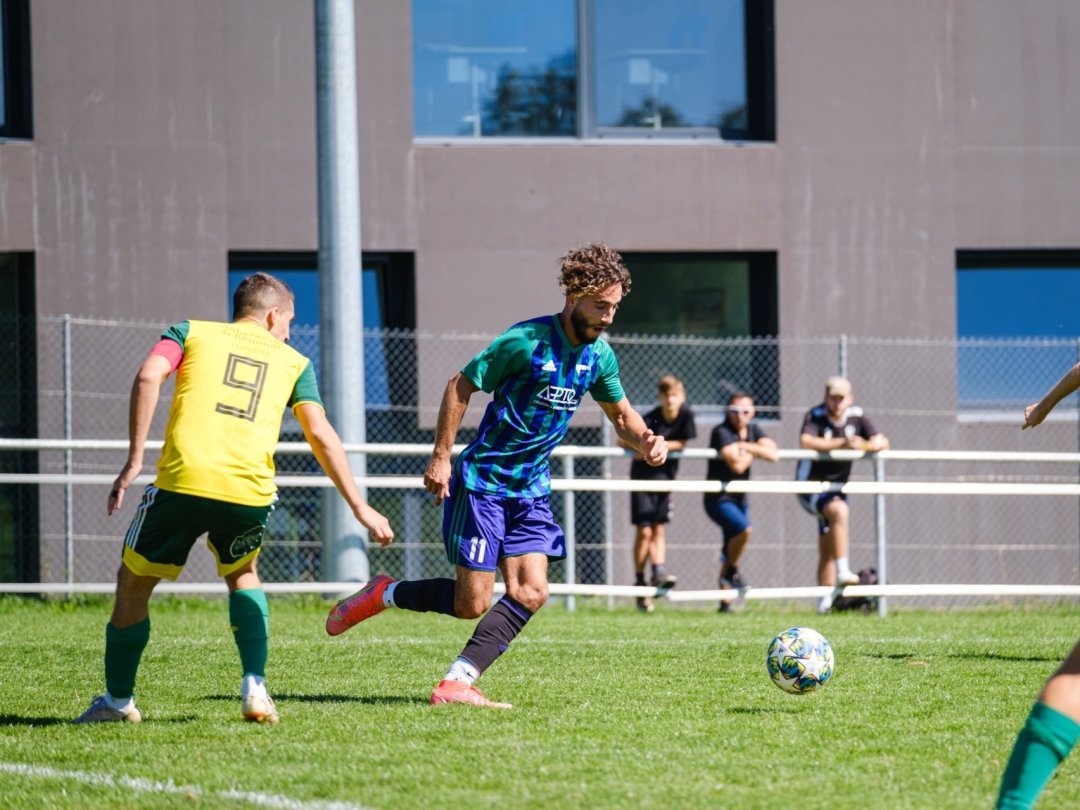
232 387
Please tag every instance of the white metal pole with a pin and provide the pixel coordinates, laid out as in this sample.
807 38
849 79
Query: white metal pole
570 529
344 541
69 504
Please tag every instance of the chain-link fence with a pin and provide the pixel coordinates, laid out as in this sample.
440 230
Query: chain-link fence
928 395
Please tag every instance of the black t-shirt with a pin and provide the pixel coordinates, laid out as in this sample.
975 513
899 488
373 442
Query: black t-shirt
817 423
682 430
723 435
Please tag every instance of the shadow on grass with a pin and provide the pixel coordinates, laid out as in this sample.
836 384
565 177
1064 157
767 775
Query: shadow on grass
42 722
18 720
763 710
369 700
996 656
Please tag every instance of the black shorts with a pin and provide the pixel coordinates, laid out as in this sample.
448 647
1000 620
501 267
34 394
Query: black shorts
167 524
650 508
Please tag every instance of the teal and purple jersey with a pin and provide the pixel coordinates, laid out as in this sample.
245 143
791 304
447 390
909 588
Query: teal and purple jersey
537 378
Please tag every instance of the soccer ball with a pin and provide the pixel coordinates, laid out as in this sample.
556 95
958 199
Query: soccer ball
799 660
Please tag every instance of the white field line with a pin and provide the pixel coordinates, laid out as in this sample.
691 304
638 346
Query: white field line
152 786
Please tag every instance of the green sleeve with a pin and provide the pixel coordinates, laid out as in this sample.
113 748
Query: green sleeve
607 387
177 333
306 388
507 355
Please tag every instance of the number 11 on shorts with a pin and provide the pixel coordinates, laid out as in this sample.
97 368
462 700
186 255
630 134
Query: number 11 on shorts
477 546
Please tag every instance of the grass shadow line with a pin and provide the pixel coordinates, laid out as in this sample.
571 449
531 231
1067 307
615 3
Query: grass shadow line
368 700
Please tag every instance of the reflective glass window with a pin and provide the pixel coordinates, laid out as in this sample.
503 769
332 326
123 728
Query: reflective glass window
495 67
1017 324
676 65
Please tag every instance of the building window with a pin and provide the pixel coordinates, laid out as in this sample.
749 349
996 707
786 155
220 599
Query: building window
389 304
1017 323
714 318
15 118
593 68
19 529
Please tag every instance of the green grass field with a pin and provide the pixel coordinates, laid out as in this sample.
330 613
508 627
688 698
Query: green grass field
612 709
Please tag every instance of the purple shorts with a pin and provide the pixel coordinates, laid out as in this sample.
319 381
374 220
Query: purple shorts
479 530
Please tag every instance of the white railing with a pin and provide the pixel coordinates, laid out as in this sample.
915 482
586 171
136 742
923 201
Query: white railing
569 482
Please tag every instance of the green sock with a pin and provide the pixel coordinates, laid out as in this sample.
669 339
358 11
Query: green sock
123 649
1045 740
250 618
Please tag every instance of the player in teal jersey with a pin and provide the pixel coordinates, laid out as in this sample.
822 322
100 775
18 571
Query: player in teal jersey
496 513
1053 724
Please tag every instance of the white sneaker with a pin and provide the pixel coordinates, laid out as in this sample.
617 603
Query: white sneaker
847 578
260 708
101 712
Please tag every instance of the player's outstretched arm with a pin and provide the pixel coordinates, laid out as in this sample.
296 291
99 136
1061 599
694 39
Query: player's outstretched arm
631 428
455 402
145 392
329 452
1034 414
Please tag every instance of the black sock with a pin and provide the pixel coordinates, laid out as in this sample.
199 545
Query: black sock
639 578
494 632
657 572
426 596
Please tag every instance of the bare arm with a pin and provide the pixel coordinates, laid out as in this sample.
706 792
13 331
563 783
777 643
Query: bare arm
145 392
808 441
631 429
740 455
329 452
452 409
879 441
1034 414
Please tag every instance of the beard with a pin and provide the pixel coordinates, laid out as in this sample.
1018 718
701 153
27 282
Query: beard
581 328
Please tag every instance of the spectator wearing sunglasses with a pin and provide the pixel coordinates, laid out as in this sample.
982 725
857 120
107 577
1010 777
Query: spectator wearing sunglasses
738 441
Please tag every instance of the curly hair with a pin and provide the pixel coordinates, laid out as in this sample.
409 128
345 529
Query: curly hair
589 269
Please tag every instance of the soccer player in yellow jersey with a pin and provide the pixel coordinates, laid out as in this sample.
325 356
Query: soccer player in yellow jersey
216 477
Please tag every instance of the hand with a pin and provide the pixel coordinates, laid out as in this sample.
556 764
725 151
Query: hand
376 524
437 478
856 443
123 481
1033 415
655 448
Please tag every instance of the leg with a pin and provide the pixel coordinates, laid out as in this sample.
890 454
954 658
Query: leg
1050 733
126 636
735 547
833 545
249 617
643 538
1062 691
127 633
526 592
659 553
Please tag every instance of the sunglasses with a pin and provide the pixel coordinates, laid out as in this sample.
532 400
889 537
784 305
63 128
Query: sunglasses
741 410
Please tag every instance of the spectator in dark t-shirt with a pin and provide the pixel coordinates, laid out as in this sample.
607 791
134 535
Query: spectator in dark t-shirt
738 443
835 424
650 511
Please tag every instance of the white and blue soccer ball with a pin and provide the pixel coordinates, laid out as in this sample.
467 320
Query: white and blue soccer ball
800 660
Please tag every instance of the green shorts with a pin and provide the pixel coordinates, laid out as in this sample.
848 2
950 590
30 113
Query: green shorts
167 524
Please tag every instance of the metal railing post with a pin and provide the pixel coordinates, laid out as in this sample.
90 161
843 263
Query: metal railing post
609 531
69 505
882 551
843 349
570 531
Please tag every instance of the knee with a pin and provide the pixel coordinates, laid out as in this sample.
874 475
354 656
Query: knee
470 607
531 596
